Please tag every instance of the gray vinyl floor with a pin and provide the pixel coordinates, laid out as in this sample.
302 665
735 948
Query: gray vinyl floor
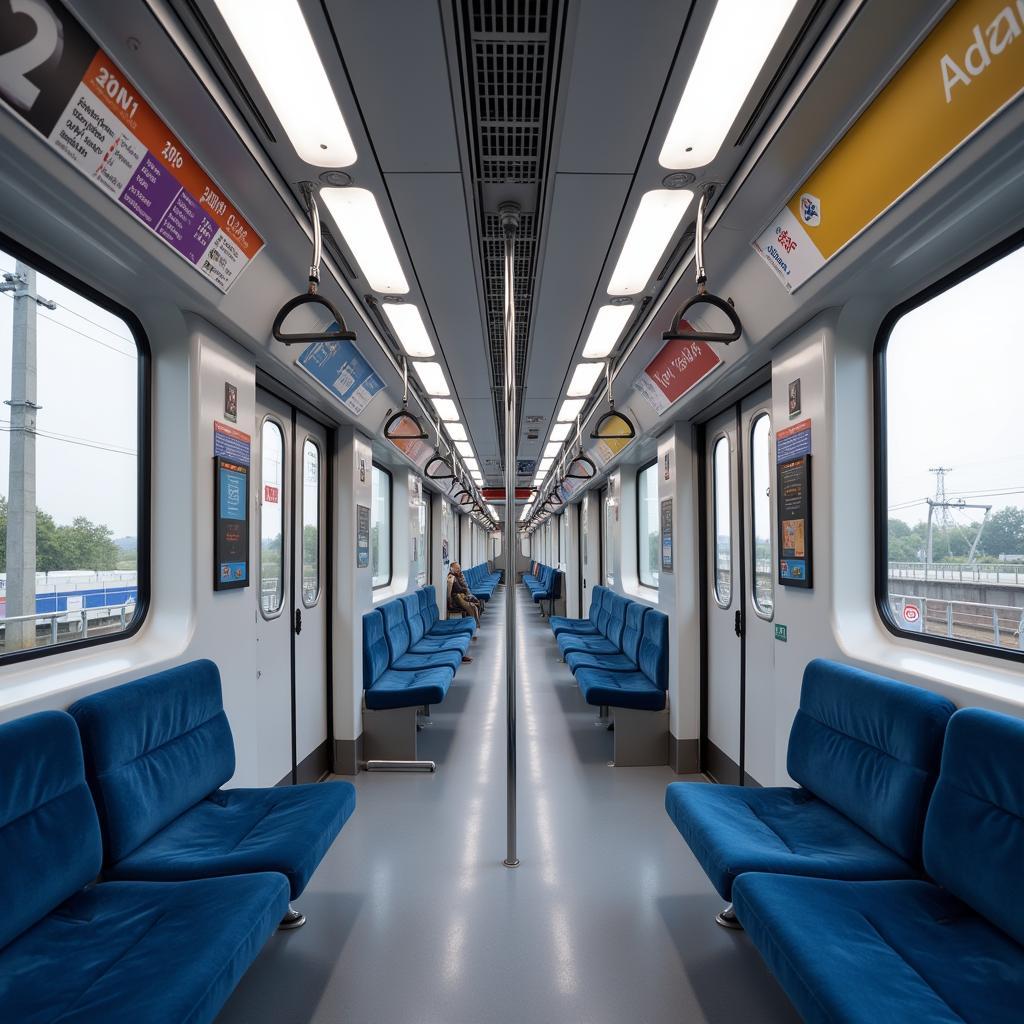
412 919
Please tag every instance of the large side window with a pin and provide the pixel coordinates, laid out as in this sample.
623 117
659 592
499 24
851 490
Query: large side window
648 526
73 513
380 527
950 480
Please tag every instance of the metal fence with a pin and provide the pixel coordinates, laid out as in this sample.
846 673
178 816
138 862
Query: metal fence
998 625
1005 573
78 623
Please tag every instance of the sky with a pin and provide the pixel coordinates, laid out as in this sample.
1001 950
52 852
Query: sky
87 387
955 383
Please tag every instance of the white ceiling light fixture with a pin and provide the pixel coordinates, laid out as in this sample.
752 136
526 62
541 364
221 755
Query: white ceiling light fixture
284 59
464 448
408 323
456 431
560 431
583 379
472 464
606 329
552 450
545 465
432 378
736 45
654 223
570 410
446 409
357 215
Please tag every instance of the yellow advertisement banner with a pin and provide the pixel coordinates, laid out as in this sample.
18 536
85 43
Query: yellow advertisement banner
966 71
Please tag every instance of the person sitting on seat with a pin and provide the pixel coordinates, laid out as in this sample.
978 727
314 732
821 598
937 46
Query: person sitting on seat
459 597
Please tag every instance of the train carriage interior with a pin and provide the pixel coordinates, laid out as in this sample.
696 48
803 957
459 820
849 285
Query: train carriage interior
525 495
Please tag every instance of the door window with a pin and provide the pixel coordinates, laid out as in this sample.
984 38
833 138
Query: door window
762 591
722 501
310 522
271 519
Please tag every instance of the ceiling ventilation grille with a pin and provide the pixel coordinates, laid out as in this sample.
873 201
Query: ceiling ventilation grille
509 70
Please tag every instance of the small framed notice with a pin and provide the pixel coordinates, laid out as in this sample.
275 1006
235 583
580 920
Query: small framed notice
230 524
794 519
362 536
666 534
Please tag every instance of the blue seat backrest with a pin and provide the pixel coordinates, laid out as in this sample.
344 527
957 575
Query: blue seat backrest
396 629
596 600
974 832
49 836
653 654
153 749
556 583
870 747
428 605
632 629
616 621
411 605
376 653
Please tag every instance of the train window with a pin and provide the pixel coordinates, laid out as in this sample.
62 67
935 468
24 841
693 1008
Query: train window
310 522
950 517
420 537
723 521
272 498
380 527
648 526
73 540
762 592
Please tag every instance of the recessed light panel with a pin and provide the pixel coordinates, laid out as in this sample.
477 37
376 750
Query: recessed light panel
654 223
357 215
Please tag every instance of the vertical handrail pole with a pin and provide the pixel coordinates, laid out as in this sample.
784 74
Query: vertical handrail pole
509 213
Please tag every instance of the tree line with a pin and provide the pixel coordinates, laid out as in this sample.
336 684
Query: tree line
1003 535
81 545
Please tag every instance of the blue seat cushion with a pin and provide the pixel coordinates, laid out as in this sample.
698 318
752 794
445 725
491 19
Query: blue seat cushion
734 829
134 952
560 624
443 627
608 662
287 829
586 644
408 689
412 662
880 952
452 642
619 689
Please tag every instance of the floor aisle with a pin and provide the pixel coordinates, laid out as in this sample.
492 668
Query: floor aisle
412 919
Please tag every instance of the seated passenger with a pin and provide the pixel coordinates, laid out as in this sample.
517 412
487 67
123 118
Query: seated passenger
460 599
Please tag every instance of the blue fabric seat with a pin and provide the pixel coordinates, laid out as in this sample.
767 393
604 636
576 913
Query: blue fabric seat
114 952
611 621
626 659
865 751
420 641
643 690
560 624
157 751
438 626
948 952
399 640
385 688
551 590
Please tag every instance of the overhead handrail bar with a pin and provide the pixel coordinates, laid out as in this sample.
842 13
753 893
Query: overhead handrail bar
600 433
403 414
337 331
703 297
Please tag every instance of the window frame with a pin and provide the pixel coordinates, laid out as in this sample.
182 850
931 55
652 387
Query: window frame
310 440
721 436
143 446
286 566
761 414
881 467
391 523
640 470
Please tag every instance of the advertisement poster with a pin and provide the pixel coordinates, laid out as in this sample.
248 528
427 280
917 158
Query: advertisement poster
61 84
231 525
794 519
340 368
678 368
231 443
792 442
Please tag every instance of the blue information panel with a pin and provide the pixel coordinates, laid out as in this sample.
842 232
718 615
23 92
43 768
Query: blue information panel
231 525
794 522
341 368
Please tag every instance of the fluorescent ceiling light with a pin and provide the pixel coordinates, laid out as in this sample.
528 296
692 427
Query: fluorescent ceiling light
464 448
446 409
473 465
560 431
606 329
408 325
552 450
545 464
654 224
736 45
456 431
570 410
284 59
358 217
583 379
432 378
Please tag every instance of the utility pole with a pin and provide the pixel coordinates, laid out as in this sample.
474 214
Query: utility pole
945 520
21 493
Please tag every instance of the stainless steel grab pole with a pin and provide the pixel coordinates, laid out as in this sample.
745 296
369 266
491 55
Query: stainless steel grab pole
509 213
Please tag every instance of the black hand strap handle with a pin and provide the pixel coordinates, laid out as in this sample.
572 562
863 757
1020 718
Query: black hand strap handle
390 434
337 330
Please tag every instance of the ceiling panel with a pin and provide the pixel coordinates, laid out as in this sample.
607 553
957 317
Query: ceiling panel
400 79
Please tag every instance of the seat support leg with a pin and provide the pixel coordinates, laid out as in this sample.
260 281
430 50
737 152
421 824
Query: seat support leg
727 918
389 741
641 737
293 919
